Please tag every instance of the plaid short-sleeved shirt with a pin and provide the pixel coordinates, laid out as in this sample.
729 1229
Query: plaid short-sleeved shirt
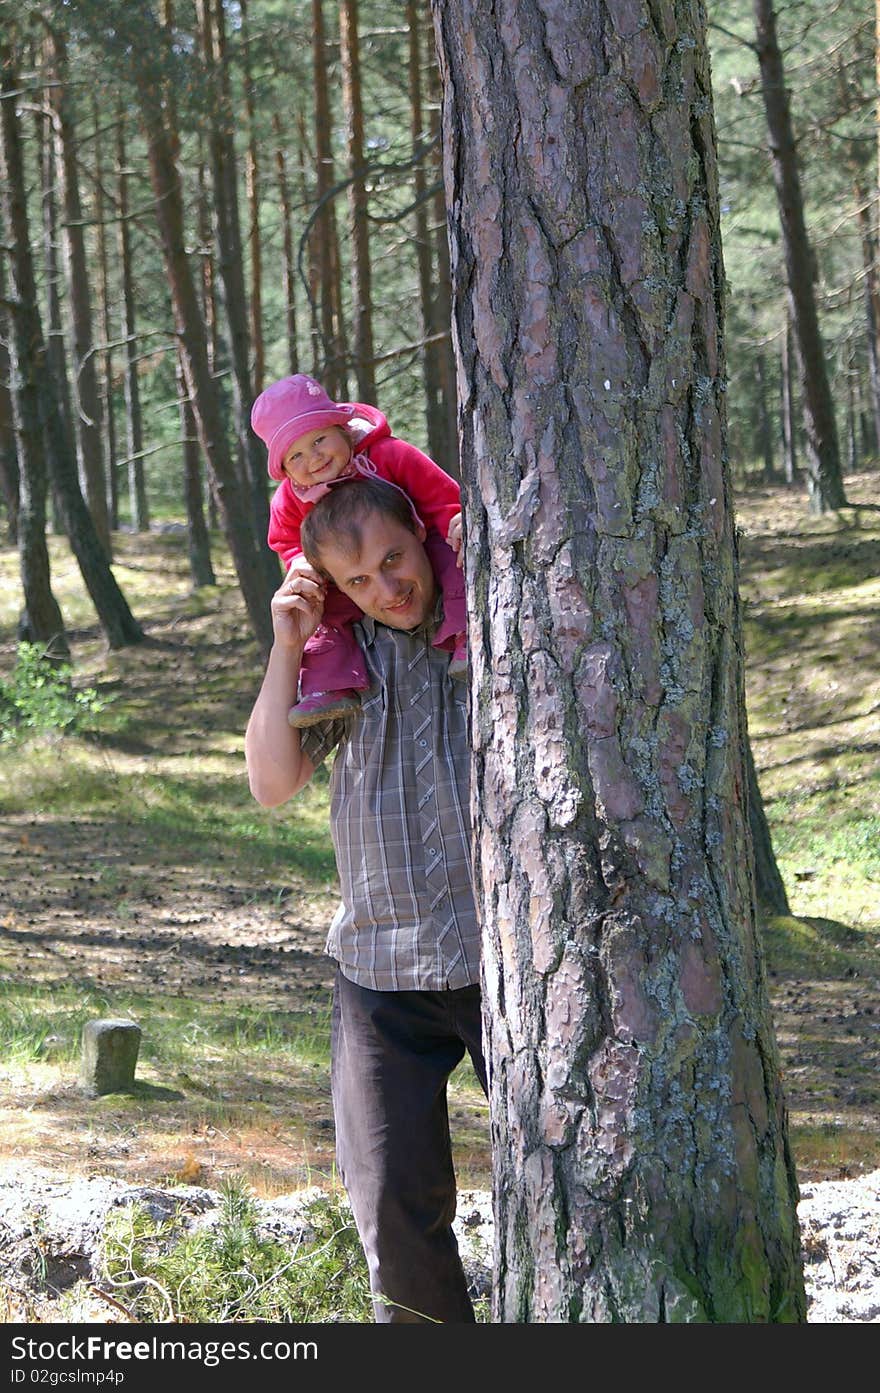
400 821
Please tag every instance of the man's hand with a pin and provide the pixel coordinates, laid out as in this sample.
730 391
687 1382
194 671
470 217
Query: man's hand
298 604
453 538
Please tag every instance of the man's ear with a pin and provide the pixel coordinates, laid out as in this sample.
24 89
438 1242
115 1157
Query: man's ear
421 531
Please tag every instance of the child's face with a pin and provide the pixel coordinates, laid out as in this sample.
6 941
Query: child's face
317 457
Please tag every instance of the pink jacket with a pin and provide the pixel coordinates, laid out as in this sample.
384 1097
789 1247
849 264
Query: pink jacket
435 496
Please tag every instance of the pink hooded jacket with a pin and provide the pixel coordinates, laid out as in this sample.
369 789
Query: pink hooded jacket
435 496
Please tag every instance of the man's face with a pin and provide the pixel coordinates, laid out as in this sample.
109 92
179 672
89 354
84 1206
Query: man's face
391 578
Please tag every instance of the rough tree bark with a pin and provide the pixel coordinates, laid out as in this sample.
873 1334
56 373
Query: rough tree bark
642 1168
824 480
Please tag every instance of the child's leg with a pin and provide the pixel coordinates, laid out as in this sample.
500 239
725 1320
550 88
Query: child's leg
333 661
453 628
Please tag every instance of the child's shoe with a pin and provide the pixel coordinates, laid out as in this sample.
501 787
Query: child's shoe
323 706
458 663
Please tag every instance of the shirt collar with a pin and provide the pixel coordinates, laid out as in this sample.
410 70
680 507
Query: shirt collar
368 623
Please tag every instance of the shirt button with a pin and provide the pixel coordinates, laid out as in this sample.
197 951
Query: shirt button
424 744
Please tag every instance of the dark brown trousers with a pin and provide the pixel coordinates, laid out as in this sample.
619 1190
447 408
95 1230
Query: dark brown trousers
392 1054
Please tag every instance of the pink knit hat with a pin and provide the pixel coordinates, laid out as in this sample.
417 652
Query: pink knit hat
290 408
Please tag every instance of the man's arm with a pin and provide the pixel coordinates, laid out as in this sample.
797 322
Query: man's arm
277 767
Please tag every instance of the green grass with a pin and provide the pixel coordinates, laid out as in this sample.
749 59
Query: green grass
233 1272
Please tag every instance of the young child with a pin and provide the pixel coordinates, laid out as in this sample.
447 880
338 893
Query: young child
316 444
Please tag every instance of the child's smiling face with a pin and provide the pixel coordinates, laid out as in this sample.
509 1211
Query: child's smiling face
317 457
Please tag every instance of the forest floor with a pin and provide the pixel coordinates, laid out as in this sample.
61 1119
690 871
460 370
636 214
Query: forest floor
139 878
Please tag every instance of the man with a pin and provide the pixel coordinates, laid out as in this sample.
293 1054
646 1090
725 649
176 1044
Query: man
406 997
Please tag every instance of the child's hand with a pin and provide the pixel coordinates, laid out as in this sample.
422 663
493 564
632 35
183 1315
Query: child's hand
299 566
453 538
297 606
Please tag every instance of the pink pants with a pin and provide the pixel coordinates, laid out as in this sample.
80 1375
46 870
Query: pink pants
333 661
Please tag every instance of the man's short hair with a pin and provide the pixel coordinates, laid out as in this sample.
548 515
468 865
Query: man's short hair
338 517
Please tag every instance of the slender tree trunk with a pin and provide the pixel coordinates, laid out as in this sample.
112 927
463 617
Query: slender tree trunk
435 406
43 622
34 373
8 457
137 488
872 302
852 448
824 481
252 185
867 434
288 259
769 885
312 273
87 397
231 267
235 513
208 301
443 305
359 234
765 432
789 442
642 1168
324 231
56 341
200 566
106 359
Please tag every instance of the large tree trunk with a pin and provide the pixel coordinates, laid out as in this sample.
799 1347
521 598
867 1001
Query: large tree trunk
137 488
359 228
34 370
87 397
642 1167
824 480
